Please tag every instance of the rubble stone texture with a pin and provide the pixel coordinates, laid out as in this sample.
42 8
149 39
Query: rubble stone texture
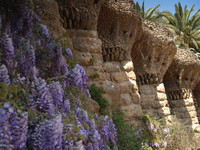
118 27
79 14
180 80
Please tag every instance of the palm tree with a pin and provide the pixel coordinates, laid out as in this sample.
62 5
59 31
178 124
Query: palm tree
149 14
185 27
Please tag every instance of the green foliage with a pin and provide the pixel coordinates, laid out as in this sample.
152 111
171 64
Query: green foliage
91 60
149 14
95 75
96 94
185 27
125 133
15 94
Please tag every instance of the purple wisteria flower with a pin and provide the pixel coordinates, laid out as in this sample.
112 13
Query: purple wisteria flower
79 145
77 78
7 47
157 145
28 22
67 109
164 144
19 130
57 93
48 134
44 32
68 53
43 98
6 105
5 133
166 130
4 77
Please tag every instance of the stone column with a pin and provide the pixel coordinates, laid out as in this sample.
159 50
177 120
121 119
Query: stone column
152 54
180 79
119 26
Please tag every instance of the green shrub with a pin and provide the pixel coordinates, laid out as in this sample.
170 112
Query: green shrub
96 94
125 133
95 75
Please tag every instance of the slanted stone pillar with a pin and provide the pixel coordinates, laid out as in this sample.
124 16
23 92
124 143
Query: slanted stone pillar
152 54
119 26
180 79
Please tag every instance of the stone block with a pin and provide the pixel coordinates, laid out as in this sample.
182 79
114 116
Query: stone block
132 111
125 100
161 96
112 93
119 76
135 97
161 88
112 67
165 111
188 102
147 89
176 103
85 44
193 114
126 87
160 104
135 84
84 58
146 105
93 106
85 33
94 69
96 73
97 59
197 129
128 65
131 75
147 98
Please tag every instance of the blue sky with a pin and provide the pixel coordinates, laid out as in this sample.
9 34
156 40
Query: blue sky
169 4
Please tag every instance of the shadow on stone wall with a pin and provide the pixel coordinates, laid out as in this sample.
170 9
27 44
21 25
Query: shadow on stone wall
196 96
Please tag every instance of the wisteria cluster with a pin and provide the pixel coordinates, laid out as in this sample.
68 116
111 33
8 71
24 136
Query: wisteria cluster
38 115
14 128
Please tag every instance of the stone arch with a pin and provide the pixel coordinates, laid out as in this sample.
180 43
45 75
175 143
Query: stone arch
180 80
